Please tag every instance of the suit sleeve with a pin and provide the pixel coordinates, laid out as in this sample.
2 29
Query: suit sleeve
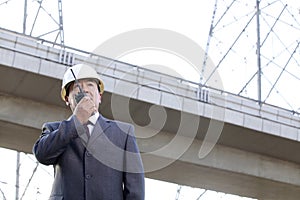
134 183
55 138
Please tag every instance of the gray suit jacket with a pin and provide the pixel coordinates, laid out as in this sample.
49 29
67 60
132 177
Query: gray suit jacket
105 166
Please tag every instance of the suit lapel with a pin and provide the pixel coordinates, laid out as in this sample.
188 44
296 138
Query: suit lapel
100 127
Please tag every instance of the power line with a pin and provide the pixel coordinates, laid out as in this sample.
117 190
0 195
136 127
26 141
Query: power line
199 197
29 181
3 195
5 2
178 192
282 71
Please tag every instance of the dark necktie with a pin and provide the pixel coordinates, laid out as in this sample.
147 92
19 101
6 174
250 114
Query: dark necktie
87 129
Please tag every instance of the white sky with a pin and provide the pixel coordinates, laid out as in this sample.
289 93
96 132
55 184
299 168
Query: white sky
88 24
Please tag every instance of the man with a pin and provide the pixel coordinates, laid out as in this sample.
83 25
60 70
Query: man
94 158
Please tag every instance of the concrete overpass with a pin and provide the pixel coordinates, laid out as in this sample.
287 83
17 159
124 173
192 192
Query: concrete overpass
256 150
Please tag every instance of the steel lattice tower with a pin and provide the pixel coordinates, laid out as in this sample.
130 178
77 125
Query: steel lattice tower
255 47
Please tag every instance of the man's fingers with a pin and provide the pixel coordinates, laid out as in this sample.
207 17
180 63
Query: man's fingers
84 109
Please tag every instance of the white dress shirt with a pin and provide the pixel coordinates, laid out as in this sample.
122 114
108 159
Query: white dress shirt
92 121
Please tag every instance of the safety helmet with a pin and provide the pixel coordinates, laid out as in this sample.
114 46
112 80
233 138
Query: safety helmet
81 71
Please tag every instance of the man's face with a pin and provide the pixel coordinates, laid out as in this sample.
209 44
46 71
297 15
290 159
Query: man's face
89 87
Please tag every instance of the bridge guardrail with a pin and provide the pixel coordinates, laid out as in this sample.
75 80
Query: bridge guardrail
135 74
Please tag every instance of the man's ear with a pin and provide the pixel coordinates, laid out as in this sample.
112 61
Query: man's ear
67 100
100 97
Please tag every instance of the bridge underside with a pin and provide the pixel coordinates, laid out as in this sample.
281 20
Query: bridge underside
244 161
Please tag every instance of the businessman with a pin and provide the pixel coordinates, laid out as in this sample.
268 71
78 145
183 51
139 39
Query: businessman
94 158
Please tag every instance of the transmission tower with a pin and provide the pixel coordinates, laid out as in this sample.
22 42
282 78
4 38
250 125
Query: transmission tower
255 46
44 12
42 19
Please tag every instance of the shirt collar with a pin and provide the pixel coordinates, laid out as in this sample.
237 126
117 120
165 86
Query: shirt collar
93 119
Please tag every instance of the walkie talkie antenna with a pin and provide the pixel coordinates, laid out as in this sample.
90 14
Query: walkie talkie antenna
76 81
80 94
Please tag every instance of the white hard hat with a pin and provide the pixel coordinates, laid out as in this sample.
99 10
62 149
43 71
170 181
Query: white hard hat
81 71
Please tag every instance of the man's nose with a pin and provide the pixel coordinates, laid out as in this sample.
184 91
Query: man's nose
84 88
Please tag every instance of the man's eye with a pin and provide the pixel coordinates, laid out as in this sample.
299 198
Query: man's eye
76 86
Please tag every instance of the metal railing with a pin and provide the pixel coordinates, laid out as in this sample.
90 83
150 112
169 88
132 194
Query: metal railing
69 56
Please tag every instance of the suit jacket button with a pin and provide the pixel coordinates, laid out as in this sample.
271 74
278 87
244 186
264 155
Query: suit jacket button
88 154
88 176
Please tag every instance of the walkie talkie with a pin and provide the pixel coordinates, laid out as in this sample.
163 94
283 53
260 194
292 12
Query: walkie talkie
80 94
